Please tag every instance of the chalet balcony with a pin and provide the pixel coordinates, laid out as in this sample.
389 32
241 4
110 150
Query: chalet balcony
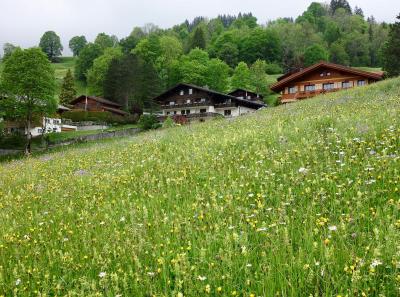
184 105
202 115
225 105
307 94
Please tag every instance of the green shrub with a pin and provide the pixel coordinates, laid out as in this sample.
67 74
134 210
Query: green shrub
99 117
14 141
273 69
148 121
168 123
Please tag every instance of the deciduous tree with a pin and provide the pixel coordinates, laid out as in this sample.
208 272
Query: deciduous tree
241 78
85 60
28 82
76 44
314 54
51 45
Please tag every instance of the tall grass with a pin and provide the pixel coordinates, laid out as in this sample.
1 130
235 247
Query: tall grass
299 200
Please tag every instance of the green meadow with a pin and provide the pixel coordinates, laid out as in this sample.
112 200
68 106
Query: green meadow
298 200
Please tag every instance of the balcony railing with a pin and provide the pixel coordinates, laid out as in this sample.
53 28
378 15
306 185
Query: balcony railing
183 105
225 105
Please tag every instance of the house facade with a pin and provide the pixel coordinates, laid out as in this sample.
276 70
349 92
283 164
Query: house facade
92 103
321 78
195 102
43 126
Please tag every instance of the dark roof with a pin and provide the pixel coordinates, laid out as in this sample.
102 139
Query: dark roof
243 101
98 99
285 79
247 91
115 110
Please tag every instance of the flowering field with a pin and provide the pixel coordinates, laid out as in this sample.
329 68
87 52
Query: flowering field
299 200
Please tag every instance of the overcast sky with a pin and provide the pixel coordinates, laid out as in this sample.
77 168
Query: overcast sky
22 22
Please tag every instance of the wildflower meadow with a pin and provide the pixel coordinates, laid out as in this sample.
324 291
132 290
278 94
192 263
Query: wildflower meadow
298 200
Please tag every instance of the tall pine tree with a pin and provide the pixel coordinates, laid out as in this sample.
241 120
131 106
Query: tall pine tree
68 91
198 39
391 51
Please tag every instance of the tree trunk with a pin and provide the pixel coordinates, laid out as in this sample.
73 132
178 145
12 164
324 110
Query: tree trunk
28 148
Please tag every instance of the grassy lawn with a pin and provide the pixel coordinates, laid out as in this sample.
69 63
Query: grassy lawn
297 200
58 137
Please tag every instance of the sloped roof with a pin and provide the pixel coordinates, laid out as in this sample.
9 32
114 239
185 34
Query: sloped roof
115 110
247 91
98 99
243 101
285 79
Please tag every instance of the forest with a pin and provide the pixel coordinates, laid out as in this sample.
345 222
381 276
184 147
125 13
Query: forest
222 53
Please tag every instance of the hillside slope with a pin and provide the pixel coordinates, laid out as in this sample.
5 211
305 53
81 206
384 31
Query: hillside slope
292 201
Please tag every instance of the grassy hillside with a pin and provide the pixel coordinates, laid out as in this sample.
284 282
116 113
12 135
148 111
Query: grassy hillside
299 200
61 69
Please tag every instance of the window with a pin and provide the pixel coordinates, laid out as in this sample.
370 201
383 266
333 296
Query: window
292 90
175 112
187 111
182 111
248 97
328 74
328 86
182 92
241 97
346 85
188 101
168 112
190 91
203 110
202 100
172 103
361 83
309 88
227 112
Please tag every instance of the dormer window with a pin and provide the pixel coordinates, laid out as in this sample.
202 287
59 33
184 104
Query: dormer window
190 91
182 92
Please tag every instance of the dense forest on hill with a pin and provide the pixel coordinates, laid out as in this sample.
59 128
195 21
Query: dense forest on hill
223 53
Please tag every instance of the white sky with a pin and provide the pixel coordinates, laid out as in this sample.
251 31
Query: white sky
22 22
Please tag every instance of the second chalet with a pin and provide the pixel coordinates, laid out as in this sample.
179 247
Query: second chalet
197 103
321 78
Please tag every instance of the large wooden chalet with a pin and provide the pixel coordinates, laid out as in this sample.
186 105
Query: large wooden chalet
197 103
92 103
321 78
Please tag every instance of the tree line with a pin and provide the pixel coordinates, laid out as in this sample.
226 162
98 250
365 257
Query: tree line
223 53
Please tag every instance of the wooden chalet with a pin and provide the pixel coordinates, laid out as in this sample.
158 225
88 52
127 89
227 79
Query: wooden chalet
321 78
245 94
92 103
197 103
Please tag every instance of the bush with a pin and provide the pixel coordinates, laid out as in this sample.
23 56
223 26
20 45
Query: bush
273 69
14 141
168 123
149 121
99 117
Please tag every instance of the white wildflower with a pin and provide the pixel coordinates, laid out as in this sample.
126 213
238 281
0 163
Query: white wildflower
332 228
18 282
102 274
376 263
201 278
